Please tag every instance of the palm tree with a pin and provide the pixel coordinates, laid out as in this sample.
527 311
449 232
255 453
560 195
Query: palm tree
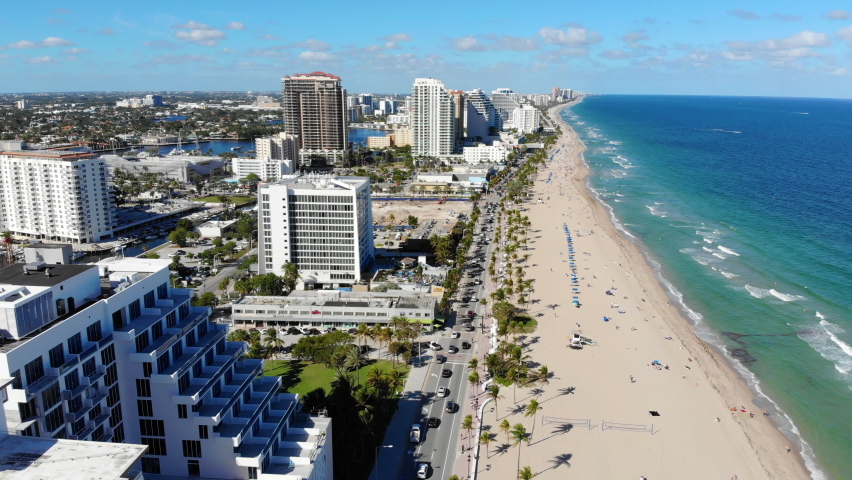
272 341
532 410
542 376
518 435
354 360
485 439
473 378
375 379
362 333
473 363
526 473
505 427
494 394
224 284
467 424
394 380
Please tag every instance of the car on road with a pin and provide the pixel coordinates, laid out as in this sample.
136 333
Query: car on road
465 345
433 422
451 407
469 328
422 470
443 392
453 349
455 335
435 346
440 358
446 373
473 299
477 282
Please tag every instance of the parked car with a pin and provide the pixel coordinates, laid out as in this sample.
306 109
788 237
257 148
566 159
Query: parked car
440 358
435 346
465 345
455 335
422 470
453 349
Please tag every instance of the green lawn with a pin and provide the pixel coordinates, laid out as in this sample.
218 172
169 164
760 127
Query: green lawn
302 377
238 201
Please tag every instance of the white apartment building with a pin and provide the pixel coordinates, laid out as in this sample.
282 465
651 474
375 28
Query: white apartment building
55 196
283 146
130 103
264 168
525 119
482 153
322 224
108 352
481 115
432 119
505 100
398 119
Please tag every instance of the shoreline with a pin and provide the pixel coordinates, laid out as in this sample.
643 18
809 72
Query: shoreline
726 381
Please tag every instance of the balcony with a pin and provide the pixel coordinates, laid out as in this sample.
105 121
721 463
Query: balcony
245 376
265 388
50 375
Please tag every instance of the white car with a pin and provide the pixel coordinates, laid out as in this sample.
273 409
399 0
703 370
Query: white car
455 335
422 470
442 391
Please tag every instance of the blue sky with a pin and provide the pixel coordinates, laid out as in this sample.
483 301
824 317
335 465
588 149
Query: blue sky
779 48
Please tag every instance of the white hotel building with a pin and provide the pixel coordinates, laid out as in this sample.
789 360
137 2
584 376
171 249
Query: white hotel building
432 119
322 224
108 352
525 118
55 196
277 157
482 153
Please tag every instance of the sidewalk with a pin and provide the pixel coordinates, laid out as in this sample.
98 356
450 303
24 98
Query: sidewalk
395 443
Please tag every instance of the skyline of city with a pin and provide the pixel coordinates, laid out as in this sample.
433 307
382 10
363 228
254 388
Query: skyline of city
728 48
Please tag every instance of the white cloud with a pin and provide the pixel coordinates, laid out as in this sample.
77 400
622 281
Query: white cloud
635 37
205 38
107 31
193 25
786 18
516 44
235 26
571 37
313 44
845 34
397 37
75 51
47 42
741 57
42 60
838 15
267 37
162 44
318 56
617 54
841 72
745 14
466 44
802 39
227 50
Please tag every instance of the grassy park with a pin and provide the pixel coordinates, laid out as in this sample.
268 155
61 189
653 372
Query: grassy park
302 377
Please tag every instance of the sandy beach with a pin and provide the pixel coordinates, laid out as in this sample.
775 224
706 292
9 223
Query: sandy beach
707 428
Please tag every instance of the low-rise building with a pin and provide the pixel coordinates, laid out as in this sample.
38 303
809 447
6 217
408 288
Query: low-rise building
266 169
323 309
215 228
182 168
482 153
32 458
403 137
380 142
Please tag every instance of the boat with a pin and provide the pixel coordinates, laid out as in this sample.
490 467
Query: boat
78 255
236 149
151 237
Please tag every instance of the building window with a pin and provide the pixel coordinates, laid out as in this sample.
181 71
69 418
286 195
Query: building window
108 355
151 465
89 367
149 299
142 341
143 387
56 356
163 362
152 428
157 330
118 434
117 320
115 416
202 432
135 310
181 411
54 419
183 382
156 446
252 473
50 397
192 449
72 380
113 397
93 332
177 351
193 468
147 369
145 408
75 344
163 291
34 370
111 375
171 319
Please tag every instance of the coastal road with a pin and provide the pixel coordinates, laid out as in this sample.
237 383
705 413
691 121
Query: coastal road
440 445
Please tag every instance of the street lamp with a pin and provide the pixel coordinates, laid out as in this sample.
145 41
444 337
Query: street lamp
376 465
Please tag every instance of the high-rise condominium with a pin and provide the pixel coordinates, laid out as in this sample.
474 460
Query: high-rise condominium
322 224
315 110
55 196
432 118
109 352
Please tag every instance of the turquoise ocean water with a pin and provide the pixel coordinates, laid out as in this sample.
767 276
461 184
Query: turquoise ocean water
743 205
